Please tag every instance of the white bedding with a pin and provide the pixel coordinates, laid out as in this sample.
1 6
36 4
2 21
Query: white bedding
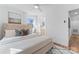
17 38
18 44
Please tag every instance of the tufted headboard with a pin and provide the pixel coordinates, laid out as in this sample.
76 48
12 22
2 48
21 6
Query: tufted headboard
8 26
9 29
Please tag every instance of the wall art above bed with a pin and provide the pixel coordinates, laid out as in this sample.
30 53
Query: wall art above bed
14 17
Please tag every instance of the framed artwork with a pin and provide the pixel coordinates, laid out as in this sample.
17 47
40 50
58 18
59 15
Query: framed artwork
14 17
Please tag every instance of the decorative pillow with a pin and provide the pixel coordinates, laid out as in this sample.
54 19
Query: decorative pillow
18 33
10 33
25 32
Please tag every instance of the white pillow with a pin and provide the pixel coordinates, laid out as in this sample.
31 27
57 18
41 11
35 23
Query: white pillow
10 33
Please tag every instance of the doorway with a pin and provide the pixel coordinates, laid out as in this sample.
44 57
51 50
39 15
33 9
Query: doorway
74 30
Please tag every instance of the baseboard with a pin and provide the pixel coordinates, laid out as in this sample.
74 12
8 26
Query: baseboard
61 45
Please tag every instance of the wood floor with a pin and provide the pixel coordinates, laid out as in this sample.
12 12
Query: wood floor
74 43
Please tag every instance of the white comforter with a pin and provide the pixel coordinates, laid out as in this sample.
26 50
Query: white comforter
18 38
18 44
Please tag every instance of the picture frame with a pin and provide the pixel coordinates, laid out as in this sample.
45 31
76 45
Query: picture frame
14 17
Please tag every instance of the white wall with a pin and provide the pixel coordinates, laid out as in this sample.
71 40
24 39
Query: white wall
75 24
61 28
3 18
57 29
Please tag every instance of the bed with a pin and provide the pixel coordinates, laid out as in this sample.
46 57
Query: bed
37 45
29 44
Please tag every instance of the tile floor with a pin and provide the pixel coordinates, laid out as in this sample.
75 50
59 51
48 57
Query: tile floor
60 50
